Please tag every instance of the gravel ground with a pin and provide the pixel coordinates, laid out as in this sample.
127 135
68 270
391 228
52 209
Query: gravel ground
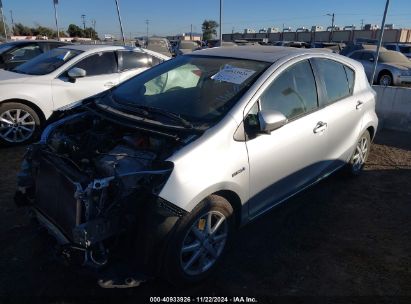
342 238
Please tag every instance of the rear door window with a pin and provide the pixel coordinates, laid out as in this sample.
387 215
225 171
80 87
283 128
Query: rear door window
293 93
334 80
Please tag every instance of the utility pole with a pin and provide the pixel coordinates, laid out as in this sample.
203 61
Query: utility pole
55 3
362 24
332 25
191 32
121 24
83 20
221 23
12 21
4 23
93 23
380 42
147 23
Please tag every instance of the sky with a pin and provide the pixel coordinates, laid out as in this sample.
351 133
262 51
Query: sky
169 17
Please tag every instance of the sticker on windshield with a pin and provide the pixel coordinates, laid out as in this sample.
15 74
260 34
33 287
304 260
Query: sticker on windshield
232 74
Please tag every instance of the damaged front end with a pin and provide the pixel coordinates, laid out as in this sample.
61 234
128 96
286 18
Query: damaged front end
94 181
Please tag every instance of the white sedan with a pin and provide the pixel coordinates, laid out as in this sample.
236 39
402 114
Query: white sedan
32 91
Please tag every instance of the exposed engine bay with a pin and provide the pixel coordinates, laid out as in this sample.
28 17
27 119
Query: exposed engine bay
91 180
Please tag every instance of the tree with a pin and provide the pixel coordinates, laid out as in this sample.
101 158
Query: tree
22 30
43 31
75 31
209 29
91 33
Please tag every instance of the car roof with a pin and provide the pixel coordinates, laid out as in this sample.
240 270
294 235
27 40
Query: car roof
96 47
256 52
33 41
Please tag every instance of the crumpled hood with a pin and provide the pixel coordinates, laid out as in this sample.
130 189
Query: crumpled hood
9 77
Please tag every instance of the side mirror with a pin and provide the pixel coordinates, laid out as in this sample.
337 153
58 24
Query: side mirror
271 120
75 73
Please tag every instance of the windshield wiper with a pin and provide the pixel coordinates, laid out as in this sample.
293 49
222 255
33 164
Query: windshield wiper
185 123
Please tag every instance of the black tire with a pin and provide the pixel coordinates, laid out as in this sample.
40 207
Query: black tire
173 262
354 168
32 122
385 79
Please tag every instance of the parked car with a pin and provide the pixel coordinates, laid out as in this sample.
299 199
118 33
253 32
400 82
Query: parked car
350 48
393 68
186 47
159 172
159 45
334 46
399 47
12 54
30 92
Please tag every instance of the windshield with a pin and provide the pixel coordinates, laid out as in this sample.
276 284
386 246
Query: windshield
47 62
5 47
405 49
188 45
393 57
198 88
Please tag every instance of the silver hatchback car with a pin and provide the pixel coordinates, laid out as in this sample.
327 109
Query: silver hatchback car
158 172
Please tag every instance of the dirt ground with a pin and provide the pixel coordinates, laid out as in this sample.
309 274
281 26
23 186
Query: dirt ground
342 238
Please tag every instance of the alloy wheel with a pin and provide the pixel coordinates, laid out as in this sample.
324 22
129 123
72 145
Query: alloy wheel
204 243
16 125
360 155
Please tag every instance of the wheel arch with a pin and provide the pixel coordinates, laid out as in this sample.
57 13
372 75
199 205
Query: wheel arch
384 71
234 200
371 130
30 104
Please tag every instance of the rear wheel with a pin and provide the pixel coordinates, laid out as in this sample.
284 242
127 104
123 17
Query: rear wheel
360 155
19 124
199 242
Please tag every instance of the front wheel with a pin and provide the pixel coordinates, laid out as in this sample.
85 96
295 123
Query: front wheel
19 124
360 154
385 80
199 242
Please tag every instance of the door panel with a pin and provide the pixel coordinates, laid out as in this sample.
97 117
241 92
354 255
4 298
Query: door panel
101 74
342 109
285 161
66 92
293 156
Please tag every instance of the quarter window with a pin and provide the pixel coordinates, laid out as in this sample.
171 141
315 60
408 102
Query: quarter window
99 64
334 80
135 60
293 93
350 78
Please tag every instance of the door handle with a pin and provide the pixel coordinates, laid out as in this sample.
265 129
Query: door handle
359 105
320 127
109 84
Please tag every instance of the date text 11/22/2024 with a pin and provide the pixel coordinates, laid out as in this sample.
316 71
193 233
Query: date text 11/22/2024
203 300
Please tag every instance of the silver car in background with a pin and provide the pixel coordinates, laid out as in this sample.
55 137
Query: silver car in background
174 160
393 68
